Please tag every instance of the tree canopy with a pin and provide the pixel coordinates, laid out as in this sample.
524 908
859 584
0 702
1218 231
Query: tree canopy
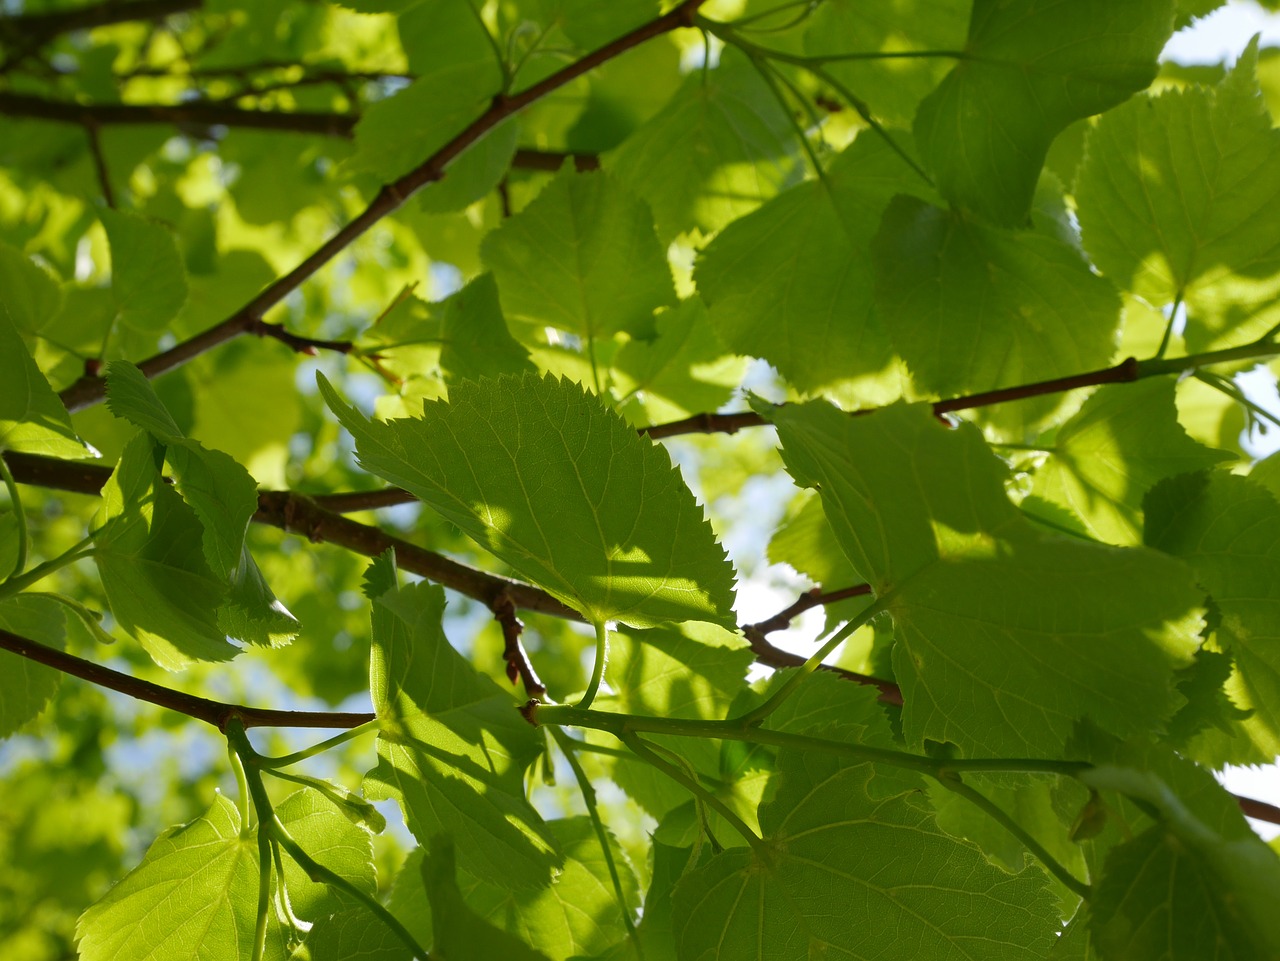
635 481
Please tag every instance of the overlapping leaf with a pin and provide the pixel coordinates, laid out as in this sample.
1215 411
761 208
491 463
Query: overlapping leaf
1228 529
1179 200
453 748
1105 458
148 280
1004 635
560 488
25 686
1030 68
32 418
880 880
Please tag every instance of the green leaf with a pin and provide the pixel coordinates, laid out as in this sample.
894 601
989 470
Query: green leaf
1228 529
453 748
330 835
591 24
1004 635
1122 441
719 149
878 880
1031 67
1179 199
153 569
25 686
581 257
461 934
557 486
1186 888
475 173
32 418
892 88
577 915
148 280
196 888
32 295
1013 307
792 282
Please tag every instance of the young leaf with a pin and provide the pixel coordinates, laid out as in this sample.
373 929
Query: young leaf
453 748
1004 635
1179 199
1012 306
196 889
1029 69
148 280
560 488
1105 458
1228 529
877 879
147 547
25 686
32 418
581 257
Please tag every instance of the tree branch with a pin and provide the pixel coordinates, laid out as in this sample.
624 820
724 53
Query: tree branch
91 389
41 27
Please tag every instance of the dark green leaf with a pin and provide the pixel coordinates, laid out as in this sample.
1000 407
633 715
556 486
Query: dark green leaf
148 279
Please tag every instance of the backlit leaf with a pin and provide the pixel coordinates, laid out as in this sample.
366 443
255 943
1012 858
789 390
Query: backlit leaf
148 280
32 418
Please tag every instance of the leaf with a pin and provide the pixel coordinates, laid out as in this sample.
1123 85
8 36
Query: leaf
877 880
1179 200
32 418
792 282
148 280
1030 68
1013 306
445 44
196 888
581 257
31 293
453 748
330 835
25 686
577 915
153 569
1105 458
555 485
1228 529
719 149
461 934
1004 635
590 24
473 175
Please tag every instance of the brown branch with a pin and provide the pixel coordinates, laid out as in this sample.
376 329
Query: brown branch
90 390
513 652
302 345
349 502
100 164
49 24
217 713
553 160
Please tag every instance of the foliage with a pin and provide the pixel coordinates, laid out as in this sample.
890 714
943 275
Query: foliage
446 374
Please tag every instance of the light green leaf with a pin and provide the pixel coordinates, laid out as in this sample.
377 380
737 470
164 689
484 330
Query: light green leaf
1179 198
682 371
1186 889
560 488
25 686
1228 529
877 880
894 87
461 934
976 307
195 895
453 747
591 24
153 568
470 178
1123 440
148 280
1031 67
792 282
329 834
1004 635
32 418
476 342
719 149
582 257
577 915
31 293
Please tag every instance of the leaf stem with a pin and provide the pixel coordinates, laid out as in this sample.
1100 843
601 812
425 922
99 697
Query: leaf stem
1001 817
568 747
1168 328
20 582
284 760
264 891
597 669
15 501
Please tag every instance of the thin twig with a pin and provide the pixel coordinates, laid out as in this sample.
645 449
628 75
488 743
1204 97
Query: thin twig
518 665
88 390
100 164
